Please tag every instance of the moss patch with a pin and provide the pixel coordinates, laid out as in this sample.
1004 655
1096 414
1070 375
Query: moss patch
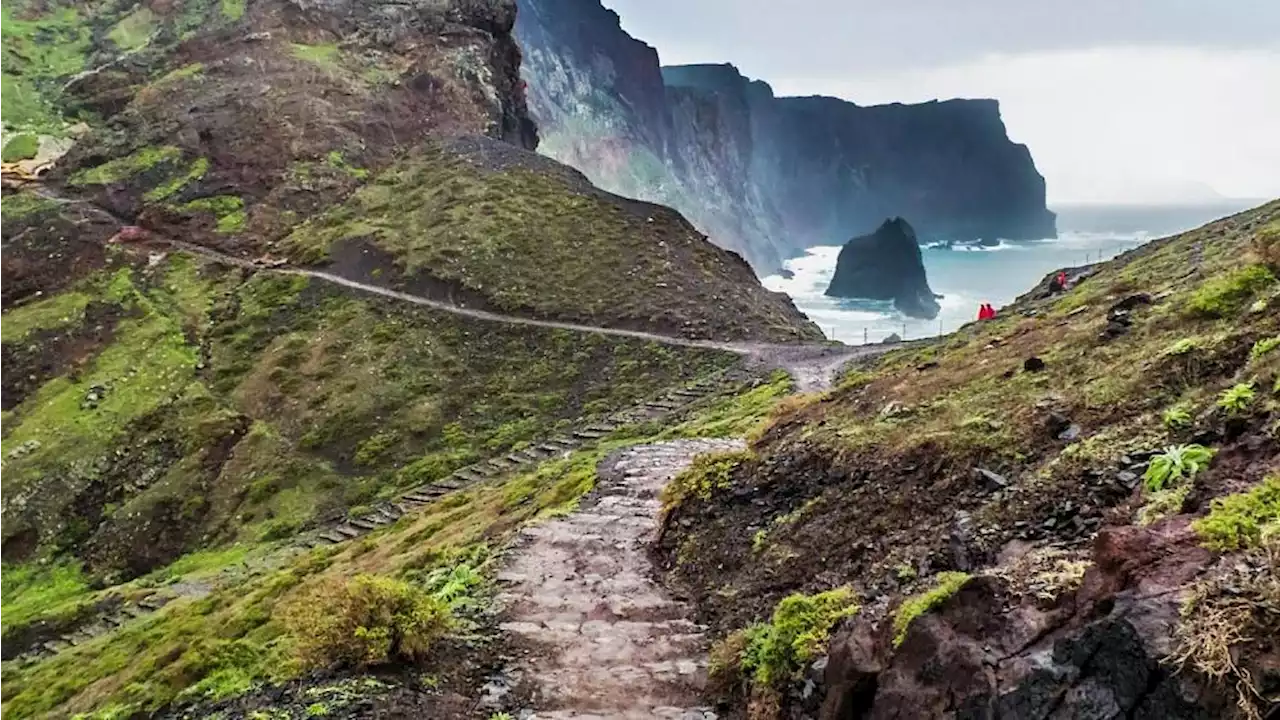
1241 521
797 633
119 169
945 585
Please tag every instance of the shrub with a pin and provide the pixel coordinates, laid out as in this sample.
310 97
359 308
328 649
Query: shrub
364 620
945 585
1176 463
776 651
1243 520
1182 347
1237 398
1177 417
1226 294
1264 346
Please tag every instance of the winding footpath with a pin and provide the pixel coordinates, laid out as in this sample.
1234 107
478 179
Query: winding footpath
604 639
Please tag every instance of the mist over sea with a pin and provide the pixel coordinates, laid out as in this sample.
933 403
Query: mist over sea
967 277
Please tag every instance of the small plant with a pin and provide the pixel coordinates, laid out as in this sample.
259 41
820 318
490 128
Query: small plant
775 651
1237 398
1263 347
501 716
905 572
946 585
1182 347
1177 417
1176 463
1163 504
1243 520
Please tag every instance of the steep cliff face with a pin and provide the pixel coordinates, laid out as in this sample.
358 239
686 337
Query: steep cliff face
763 175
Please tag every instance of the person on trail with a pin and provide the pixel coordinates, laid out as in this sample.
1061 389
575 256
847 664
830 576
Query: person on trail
1059 283
986 312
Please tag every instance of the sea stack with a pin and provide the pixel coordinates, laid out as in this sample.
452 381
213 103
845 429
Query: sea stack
886 265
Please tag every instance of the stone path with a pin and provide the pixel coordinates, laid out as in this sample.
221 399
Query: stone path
607 641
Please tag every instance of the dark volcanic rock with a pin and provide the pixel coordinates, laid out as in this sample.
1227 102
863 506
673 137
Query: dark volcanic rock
885 265
986 653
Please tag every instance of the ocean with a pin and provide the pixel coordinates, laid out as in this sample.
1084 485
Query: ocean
967 277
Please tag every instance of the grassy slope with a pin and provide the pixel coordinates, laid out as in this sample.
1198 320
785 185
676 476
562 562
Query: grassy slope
528 236
320 156
865 481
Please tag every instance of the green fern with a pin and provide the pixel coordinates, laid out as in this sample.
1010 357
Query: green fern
1175 464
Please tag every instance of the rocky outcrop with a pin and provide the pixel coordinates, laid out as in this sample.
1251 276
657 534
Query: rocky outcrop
986 652
885 265
763 175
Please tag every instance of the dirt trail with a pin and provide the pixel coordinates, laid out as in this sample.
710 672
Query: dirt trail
813 365
607 640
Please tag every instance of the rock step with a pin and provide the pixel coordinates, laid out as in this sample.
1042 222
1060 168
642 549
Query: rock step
363 524
468 475
589 434
347 530
446 485
419 497
332 536
484 471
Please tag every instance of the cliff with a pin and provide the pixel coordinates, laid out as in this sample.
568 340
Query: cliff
885 265
763 175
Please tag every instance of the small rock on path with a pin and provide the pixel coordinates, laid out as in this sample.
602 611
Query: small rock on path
608 641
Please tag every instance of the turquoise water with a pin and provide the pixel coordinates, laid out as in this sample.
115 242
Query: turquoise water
967 278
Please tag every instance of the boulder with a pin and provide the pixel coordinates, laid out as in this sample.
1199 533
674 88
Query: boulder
886 265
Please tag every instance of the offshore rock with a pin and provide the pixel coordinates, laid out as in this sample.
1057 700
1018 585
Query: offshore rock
885 265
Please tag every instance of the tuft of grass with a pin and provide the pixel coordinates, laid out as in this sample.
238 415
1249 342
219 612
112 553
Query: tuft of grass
945 585
775 652
1243 520
1175 464
1226 294
20 147
1236 399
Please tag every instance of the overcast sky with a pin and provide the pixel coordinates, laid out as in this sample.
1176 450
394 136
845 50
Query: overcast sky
1119 100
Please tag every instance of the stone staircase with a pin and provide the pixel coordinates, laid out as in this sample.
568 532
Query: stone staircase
588 433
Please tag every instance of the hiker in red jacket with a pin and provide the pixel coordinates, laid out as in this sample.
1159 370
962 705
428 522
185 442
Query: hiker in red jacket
985 312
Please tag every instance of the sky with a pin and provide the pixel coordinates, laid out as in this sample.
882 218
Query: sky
1120 101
